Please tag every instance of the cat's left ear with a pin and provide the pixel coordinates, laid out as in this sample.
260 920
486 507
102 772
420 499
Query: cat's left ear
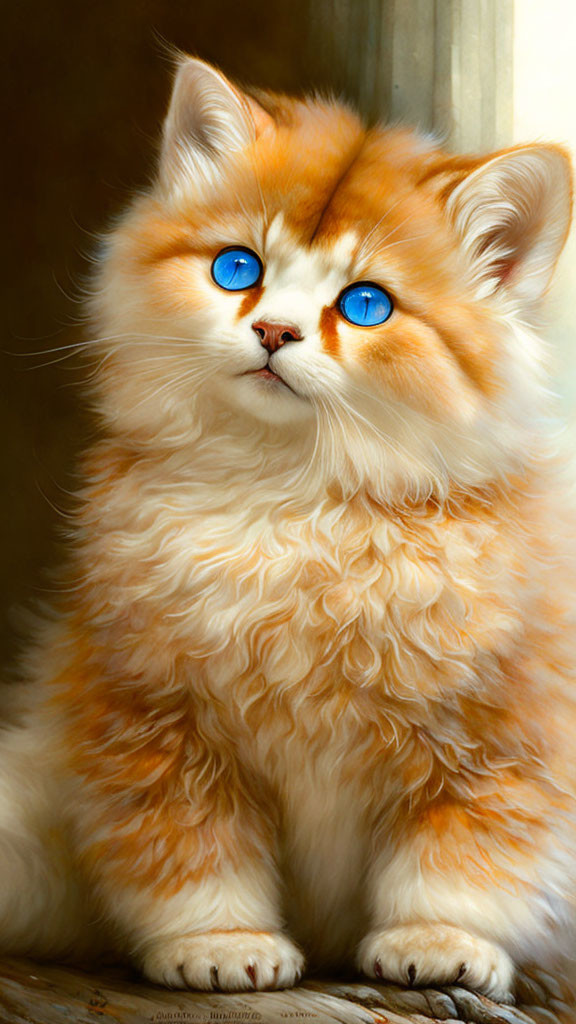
512 214
209 120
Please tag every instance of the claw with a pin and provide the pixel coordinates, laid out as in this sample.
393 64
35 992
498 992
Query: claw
251 972
378 968
214 978
411 974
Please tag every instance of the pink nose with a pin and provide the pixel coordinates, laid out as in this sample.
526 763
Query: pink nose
273 336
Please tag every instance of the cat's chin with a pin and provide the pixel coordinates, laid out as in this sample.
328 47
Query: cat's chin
267 398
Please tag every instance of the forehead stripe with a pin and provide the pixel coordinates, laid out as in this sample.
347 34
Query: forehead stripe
344 172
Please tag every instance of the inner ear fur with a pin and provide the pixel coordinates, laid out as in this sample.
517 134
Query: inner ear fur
209 119
511 212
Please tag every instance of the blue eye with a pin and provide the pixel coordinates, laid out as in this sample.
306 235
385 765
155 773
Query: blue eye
365 304
236 269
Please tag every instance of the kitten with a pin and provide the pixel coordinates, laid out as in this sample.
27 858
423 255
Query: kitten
312 684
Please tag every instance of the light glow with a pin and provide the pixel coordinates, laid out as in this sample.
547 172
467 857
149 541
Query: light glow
544 109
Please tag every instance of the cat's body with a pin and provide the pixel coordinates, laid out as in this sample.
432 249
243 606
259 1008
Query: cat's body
317 660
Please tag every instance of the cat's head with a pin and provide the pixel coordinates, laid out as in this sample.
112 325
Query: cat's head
357 298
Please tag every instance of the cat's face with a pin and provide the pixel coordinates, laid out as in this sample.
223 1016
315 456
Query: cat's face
296 275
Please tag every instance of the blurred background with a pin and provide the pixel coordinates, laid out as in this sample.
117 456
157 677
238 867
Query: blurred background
86 86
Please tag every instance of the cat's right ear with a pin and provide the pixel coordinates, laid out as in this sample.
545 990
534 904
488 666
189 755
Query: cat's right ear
209 120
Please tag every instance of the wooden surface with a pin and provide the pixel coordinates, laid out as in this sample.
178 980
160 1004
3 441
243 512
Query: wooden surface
32 993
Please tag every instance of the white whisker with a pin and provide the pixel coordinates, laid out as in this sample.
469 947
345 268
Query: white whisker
363 245
188 376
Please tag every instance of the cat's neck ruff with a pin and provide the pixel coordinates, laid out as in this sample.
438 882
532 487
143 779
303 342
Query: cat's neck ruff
239 459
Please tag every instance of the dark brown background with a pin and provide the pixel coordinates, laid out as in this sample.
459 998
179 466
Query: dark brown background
86 85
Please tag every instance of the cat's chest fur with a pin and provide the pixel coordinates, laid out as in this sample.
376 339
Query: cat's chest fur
262 597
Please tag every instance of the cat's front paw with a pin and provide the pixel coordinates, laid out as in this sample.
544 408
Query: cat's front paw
232 961
437 954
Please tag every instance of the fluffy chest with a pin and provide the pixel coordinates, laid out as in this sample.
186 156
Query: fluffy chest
340 594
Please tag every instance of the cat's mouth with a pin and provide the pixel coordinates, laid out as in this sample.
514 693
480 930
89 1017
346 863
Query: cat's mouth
267 374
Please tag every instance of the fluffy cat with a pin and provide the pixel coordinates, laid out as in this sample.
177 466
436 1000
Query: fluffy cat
310 689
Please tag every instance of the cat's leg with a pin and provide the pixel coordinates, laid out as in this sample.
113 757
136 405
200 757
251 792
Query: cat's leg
179 841
221 931
465 893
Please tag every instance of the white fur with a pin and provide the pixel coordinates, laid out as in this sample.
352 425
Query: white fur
439 954
230 961
43 906
526 927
